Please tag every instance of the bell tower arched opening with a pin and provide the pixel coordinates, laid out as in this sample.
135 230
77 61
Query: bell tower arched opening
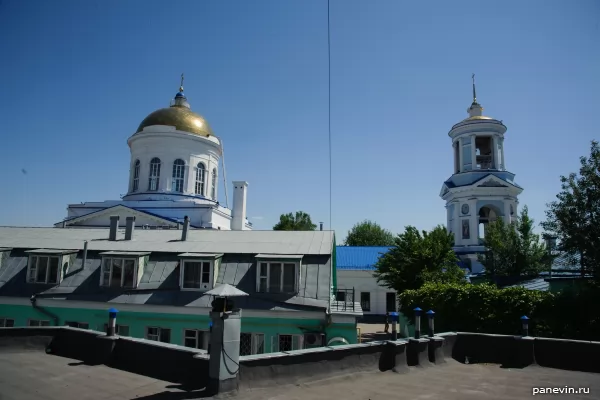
484 154
486 214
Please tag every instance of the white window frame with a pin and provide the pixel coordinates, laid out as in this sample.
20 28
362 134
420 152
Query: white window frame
154 175
178 176
197 337
282 262
255 342
200 185
136 176
203 286
276 338
3 323
34 268
158 335
38 322
123 259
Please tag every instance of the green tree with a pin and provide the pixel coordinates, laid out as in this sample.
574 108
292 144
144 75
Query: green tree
419 257
514 249
299 222
368 233
574 218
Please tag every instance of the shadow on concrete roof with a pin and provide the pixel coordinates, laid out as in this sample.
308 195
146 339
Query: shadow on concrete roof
82 363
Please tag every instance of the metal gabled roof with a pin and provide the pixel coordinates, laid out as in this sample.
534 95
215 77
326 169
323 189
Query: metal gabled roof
362 258
169 241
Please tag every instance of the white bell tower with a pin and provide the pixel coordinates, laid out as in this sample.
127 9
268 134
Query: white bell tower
480 189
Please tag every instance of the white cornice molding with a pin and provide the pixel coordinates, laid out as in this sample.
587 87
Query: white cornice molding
480 128
172 133
476 190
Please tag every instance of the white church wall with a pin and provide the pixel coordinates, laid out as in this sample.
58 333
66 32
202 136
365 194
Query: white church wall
364 281
169 147
220 221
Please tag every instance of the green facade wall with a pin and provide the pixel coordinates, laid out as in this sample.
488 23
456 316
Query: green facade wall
138 321
557 285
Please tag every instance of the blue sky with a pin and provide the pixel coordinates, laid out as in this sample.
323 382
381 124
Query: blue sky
77 77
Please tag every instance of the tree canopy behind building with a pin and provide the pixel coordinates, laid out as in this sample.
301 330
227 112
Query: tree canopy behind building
369 233
574 218
300 221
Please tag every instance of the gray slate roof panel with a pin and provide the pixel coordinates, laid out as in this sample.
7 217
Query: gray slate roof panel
162 272
241 271
199 241
148 270
310 278
157 272
11 266
168 271
323 288
229 272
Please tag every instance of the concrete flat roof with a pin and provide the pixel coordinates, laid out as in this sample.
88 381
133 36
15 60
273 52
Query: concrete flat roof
36 375
32 374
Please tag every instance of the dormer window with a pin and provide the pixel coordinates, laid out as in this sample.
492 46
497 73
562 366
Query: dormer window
278 273
118 272
121 269
198 271
43 269
47 266
196 274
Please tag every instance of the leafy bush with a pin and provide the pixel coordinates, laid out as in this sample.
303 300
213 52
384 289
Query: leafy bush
487 309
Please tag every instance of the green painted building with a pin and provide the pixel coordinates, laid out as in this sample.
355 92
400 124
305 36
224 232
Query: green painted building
158 278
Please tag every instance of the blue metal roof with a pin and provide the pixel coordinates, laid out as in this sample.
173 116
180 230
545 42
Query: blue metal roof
362 258
498 174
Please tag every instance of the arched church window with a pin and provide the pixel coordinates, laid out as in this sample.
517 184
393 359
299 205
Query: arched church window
213 189
200 174
154 177
178 175
136 176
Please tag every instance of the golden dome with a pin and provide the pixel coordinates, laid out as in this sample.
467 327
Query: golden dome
478 117
182 118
